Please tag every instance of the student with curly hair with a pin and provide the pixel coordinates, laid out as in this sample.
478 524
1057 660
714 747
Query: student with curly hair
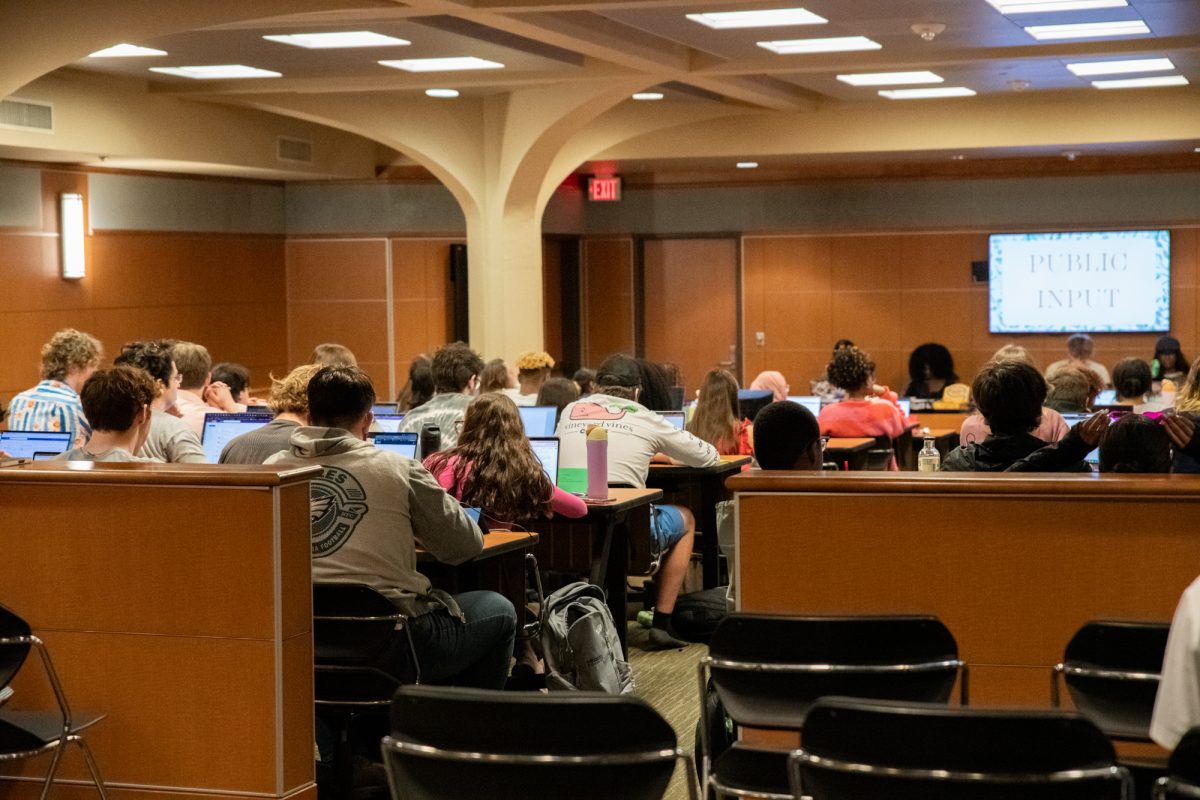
68 360
493 468
533 368
117 401
716 417
863 412
170 439
930 370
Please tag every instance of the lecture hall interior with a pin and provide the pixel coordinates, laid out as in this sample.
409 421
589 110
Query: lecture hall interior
682 180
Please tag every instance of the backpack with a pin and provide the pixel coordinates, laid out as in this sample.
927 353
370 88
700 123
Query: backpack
580 642
697 614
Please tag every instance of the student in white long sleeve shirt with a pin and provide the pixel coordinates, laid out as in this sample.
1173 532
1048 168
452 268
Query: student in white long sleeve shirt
635 435
1177 705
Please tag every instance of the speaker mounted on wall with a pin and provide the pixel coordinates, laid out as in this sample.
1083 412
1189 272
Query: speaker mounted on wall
979 271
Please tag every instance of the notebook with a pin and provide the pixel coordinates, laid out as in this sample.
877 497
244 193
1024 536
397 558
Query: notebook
403 443
673 417
538 420
546 449
809 401
28 444
1093 457
388 423
220 428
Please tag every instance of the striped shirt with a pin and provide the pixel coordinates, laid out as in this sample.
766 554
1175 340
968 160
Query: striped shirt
49 406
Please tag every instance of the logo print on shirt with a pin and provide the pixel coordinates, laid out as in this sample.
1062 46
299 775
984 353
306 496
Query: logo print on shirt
336 506
584 411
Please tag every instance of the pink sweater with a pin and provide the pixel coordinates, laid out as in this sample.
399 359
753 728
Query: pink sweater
1052 429
564 503
853 418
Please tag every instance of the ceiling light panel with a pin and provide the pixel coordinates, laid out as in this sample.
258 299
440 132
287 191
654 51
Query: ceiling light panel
337 40
891 78
444 94
217 72
1142 83
927 94
1088 30
648 96
454 64
771 18
837 44
1126 67
1046 6
127 51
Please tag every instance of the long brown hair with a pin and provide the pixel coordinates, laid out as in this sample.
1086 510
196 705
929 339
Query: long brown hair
496 469
715 420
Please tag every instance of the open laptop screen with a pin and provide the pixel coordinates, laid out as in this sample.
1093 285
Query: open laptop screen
385 408
538 420
905 405
27 444
403 443
809 401
1092 458
546 449
220 428
674 417
388 423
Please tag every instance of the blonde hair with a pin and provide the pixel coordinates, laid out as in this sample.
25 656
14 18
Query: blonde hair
289 395
531 361
1014 352
1188 398
331 354
69 349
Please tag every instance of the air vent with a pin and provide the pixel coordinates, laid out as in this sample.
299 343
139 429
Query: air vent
27 115
299 150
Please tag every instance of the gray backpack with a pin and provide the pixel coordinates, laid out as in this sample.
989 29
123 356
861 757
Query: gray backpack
580 643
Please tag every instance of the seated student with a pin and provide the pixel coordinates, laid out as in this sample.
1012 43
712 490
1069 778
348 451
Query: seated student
1072 390
864 412
493 468
237 378
456 369
496 377
585 379
773 382
533 369
1132 380
1052 427
1177 703
656 386
117 402
68 360
822 387
1169 363
637 435
930 371
289 404
198 395
716 417
368 509
557 392
787 436
1135 444
419 388
330 354
1080 348
170 439
1010 395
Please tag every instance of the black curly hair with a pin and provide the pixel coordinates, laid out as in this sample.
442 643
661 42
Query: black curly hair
851 368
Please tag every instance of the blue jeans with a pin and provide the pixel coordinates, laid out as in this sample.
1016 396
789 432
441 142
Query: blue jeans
472 653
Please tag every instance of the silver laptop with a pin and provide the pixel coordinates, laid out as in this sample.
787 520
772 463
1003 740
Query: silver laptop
546 449
220 428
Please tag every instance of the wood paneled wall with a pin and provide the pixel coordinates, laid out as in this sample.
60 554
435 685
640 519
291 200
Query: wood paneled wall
607 303
225 291
890 293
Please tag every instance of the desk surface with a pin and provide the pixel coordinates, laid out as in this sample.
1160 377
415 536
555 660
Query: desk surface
495 543
621 500
725 465
849 445
138 473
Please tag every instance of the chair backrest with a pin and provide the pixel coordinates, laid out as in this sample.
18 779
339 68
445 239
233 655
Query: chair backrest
768 670
12 656
856 748
449 743
353 640
1183 768
1112 669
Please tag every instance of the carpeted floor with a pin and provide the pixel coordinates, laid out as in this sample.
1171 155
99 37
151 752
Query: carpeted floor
667 680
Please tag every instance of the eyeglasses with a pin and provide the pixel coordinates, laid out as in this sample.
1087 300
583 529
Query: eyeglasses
177 379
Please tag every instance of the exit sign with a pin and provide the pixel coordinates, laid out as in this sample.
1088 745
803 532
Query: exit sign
604 190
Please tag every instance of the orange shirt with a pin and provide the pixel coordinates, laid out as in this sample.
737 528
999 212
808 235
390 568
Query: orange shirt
854 418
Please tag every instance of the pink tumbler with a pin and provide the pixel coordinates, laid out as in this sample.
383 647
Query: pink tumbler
597 463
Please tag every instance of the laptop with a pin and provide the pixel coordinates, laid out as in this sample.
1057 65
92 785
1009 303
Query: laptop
809 401
403 443
546 449
220 428
31 444
1092 458
389 423
905 405
1108 397
676 418
385 408
539 421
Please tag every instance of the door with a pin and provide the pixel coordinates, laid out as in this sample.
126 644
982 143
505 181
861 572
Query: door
690 306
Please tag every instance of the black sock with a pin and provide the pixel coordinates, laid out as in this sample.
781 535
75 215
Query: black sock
662 620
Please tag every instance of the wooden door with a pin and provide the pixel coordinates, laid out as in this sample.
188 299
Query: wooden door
690 306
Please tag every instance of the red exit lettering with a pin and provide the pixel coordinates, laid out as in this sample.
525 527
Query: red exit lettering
604 190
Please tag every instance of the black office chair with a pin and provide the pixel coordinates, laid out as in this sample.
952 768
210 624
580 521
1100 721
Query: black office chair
452 743
862 749
24 734
353 641
1112 669
1182 781
769 670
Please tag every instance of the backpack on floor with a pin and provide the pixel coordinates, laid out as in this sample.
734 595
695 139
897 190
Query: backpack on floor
580 643
697 614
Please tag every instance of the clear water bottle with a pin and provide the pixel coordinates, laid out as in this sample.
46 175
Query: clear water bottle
929 459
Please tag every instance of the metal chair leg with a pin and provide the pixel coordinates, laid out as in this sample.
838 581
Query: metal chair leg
58 751
92 766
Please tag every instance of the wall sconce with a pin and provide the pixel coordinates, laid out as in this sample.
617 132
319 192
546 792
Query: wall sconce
71 233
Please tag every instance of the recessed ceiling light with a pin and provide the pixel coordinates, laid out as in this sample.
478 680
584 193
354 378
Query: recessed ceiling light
329 41
924 94
1088 30
1043 6
769 18
217 71
126 51
747 165
836 44
1122 67
444 93
442 64
1142 83
648 96
890 78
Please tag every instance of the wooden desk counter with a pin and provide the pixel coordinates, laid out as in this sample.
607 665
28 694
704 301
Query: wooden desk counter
1013 565
499 568
176 599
